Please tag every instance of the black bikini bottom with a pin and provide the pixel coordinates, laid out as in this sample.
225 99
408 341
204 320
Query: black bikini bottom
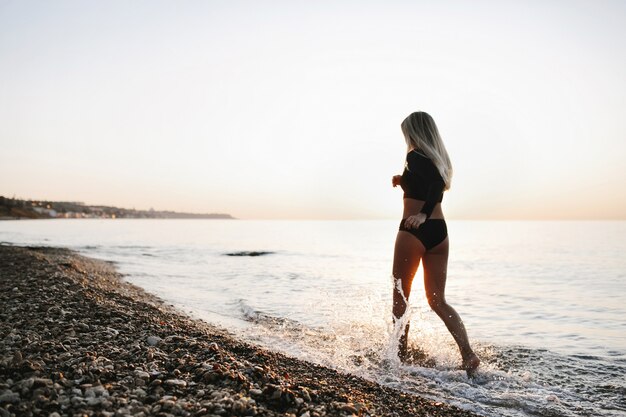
431 233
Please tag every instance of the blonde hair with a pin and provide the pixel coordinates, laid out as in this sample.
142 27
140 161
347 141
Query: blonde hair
422 135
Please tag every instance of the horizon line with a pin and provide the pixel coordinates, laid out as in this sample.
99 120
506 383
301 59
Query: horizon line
233 217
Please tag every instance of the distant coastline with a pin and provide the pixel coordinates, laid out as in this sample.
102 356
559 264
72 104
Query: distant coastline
16 209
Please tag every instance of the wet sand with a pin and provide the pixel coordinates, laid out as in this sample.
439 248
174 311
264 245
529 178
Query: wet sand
76 339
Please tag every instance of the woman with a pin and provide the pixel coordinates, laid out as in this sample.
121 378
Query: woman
423 234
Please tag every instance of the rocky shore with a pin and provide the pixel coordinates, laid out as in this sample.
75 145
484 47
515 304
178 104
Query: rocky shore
76 340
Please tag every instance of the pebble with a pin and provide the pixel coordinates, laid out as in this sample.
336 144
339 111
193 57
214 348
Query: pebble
153 340
142 374
93 401
176 382
348 408
9 397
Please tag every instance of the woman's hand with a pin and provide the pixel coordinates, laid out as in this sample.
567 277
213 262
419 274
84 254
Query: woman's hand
413 222
396 180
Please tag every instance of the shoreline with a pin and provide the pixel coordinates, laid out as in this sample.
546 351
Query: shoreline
80 340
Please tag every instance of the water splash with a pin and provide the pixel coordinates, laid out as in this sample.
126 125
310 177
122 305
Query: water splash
511 382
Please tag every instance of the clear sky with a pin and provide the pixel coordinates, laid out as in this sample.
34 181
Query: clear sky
292 109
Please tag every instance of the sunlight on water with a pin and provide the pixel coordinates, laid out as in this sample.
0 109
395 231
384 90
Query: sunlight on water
546 316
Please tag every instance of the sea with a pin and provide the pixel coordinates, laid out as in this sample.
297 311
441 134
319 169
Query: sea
544 302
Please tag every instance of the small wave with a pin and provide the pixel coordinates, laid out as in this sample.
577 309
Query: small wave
249 253
256 316
89 247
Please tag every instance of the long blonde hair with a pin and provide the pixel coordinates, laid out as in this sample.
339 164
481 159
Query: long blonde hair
421 134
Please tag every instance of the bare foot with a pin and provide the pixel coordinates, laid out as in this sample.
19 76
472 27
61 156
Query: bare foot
470 364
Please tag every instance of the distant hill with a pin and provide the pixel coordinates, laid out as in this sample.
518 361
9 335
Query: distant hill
12 208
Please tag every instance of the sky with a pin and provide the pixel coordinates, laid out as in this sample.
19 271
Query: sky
292 109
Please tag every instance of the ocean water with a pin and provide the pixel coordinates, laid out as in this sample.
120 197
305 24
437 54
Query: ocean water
544 302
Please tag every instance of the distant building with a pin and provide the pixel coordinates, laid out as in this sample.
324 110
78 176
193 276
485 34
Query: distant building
47 211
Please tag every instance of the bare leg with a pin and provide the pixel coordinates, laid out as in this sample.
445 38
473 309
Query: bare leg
435 274
406 259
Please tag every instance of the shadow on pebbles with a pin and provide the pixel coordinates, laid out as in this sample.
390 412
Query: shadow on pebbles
76 340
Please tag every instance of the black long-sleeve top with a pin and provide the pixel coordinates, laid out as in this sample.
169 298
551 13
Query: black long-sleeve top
421 180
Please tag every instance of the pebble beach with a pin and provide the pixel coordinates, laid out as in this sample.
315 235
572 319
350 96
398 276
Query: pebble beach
77 340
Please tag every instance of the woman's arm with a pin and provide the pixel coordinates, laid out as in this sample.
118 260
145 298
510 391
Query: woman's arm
429 175
435 189
432 198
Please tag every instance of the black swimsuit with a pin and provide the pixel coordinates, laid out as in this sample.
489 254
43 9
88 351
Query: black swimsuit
421 181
